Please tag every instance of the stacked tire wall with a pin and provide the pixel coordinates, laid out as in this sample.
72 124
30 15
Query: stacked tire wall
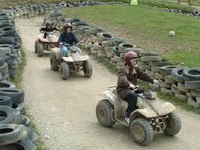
180 81
15 132
14 125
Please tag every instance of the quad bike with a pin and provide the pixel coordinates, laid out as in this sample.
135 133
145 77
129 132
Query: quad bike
73 62
151 115
46 43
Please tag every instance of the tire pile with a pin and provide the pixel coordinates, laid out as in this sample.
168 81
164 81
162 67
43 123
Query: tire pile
14 125
10 44
195 13
35 9
65 4
182 82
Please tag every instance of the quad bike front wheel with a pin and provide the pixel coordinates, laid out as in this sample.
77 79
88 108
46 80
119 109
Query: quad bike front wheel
87 68
141 131
36 46
40 50
104 110
64 69
53 65
173 124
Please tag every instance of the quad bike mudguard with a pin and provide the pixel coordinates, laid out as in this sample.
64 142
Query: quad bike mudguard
151 108
120 106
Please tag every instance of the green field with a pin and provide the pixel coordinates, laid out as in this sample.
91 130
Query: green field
148 27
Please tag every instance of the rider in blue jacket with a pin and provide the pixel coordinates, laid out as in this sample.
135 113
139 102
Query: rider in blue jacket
67 37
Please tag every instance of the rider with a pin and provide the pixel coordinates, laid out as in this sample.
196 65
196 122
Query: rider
67 37
49 28
127 81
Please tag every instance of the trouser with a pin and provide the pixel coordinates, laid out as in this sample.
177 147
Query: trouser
64 51
45 34
132 103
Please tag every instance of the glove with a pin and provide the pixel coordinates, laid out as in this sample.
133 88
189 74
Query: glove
132 86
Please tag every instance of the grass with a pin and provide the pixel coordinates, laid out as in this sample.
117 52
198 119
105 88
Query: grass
167 4
40 144
148 28
107 17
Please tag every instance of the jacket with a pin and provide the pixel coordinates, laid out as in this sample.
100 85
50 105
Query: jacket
68 38
124 80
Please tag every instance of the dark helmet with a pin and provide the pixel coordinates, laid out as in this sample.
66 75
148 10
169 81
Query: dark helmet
49 24
68 25
128 56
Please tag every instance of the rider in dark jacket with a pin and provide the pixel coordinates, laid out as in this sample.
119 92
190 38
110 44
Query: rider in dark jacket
67 37
127 79
49 28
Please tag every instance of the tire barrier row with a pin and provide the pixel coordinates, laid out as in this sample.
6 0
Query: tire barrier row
179 81
35 9
195 13
15 132
10 45
65 4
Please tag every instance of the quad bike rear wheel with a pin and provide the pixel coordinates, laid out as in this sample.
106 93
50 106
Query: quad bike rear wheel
87 68
40 50
141 131
64 69
104 110
53 65
36 46
173 124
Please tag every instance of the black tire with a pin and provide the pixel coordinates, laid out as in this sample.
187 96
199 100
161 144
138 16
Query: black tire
88 69
40 50
36 46
177 74
166 70
104 36
21 108
64 68
17 96
147 53
192 84
8 40
25 121
53 65
11 133
6 84
141 131
173 124
191 74
104 110
159 64
123 46
9 115
21 145
151 58
5 100
4 69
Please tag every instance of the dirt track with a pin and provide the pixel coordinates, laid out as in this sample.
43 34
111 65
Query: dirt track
64 111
